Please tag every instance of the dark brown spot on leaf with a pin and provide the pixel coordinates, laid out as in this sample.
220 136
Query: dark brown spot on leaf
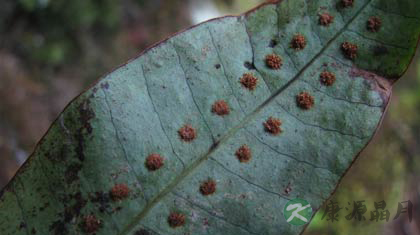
74 211
119 192
249 65
102 199
206 222
217 66
85 115
273 43
349 49
70 212
249 81
298 42
91 224
347 3
142 232
58 228
374 24
72 172
220 108
273 61
154 161
243 153
105 85
272 125
187 133
176 219
327 78
380 50
208 187
305 100
325 19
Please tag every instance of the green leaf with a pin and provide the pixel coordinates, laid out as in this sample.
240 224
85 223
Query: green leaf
104 136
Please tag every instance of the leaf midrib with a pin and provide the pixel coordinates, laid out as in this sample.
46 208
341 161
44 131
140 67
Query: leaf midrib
233 130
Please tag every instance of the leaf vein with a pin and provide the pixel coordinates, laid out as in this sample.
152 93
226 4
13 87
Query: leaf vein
289 155
378 41
159 118
192 94
212 213
224 70
117 137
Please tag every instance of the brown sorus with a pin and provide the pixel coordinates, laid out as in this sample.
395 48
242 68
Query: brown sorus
176 219
91 224
349 49
243 153
272 125
298 42
220 107
347 3
187 133
154 161
374 24
325 19
273 61
305 100
249 81
208 187
327 78
119 192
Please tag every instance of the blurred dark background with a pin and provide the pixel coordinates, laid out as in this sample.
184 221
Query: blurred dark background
50 51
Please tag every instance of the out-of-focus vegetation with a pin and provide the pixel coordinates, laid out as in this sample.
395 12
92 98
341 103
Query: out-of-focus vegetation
52 50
